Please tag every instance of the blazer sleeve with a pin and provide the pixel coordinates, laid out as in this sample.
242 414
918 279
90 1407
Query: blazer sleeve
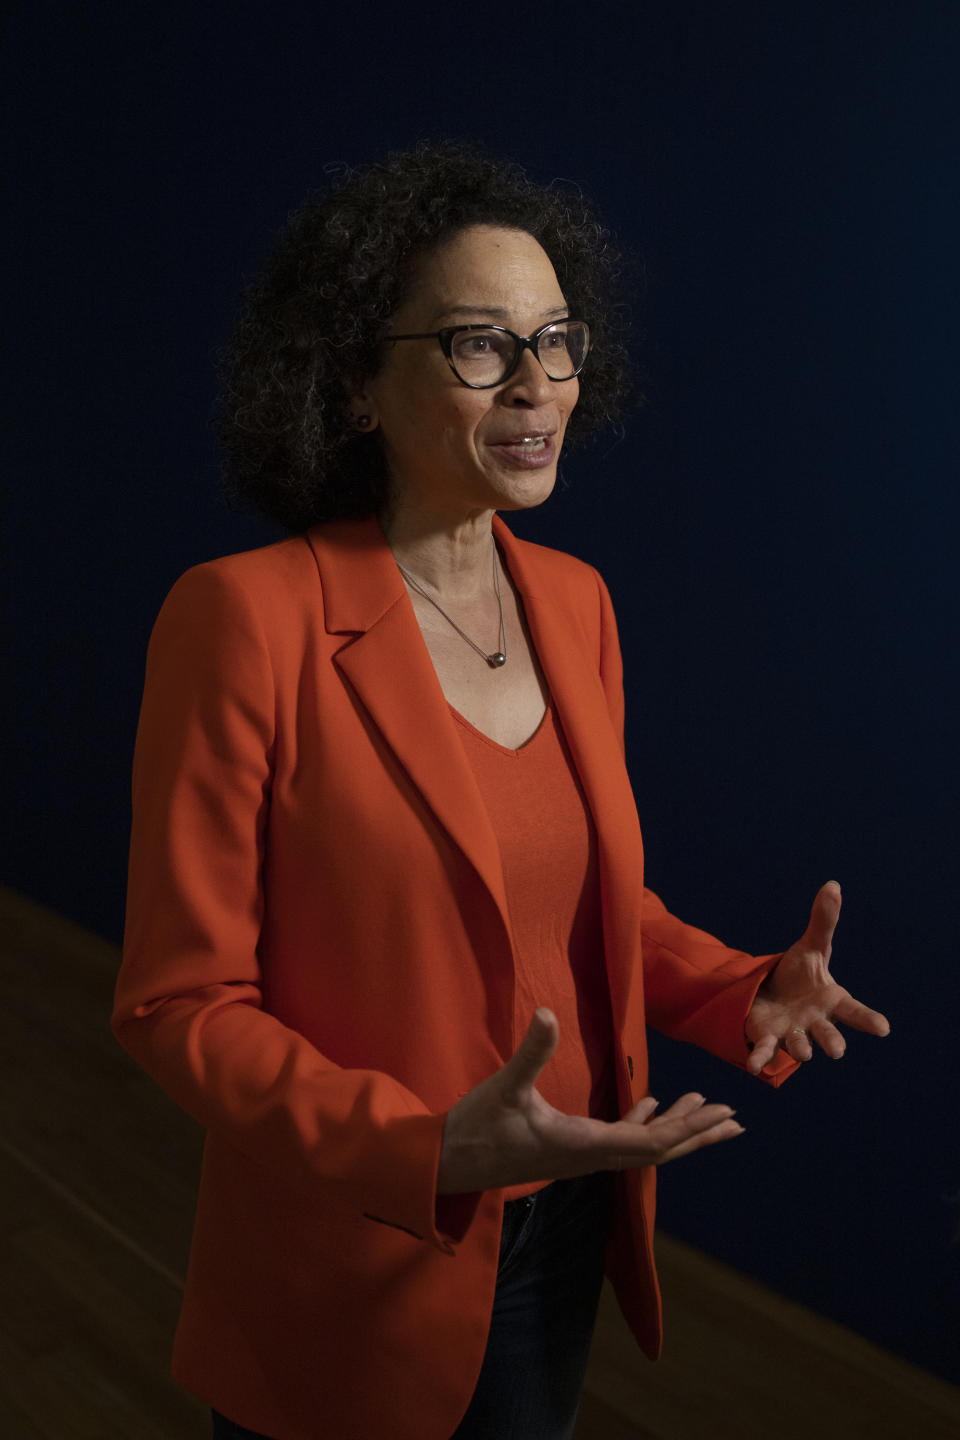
188 1004
695 987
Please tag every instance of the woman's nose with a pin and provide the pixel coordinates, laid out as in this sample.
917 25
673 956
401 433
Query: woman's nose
529 383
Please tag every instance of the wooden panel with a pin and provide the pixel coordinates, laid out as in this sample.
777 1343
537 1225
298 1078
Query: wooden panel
85 1326
741 1363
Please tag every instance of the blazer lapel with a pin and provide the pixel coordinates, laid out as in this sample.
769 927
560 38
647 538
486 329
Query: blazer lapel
389 667
387 663
565 655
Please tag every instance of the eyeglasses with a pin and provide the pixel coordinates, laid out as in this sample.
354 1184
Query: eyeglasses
482 356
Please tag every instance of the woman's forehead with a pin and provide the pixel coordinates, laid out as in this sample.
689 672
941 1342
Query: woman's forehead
484 268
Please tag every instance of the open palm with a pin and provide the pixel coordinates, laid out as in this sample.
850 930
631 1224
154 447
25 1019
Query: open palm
799 1000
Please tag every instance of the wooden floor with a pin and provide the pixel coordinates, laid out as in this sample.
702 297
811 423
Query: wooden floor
98 1176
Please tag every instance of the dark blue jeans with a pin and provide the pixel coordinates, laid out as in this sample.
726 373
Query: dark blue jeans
544 1311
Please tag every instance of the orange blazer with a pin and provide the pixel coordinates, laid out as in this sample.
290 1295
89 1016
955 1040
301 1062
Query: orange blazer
318 963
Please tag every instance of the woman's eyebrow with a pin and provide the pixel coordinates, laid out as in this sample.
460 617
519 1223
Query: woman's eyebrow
496 310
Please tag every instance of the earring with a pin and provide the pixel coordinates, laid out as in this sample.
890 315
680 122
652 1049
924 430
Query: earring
361 421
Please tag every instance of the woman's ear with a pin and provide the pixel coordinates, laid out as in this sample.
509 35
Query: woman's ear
361 405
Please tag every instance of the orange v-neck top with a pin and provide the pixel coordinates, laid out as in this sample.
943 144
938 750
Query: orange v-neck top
548 847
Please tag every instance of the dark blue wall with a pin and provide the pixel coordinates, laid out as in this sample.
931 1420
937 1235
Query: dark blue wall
777 529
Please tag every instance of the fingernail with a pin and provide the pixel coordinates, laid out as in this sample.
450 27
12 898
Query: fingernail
740 1130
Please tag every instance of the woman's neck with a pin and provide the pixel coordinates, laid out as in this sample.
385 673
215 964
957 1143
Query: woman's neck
451 557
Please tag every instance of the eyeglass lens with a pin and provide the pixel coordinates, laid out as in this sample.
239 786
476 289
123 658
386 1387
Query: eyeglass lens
482 357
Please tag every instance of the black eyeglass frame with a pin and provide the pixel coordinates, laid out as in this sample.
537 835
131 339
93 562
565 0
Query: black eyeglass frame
520 343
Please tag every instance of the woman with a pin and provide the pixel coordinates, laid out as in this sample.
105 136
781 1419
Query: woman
387 936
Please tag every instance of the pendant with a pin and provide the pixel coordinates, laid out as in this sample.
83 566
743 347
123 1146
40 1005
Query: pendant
497 659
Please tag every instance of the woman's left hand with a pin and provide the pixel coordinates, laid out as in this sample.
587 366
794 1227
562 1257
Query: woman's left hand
799 1000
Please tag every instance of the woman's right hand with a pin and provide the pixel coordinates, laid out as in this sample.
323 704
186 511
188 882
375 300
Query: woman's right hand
503 1132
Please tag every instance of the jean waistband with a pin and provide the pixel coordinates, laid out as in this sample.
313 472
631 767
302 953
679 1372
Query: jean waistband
597 1177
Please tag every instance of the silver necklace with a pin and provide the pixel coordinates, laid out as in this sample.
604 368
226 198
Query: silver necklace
499 656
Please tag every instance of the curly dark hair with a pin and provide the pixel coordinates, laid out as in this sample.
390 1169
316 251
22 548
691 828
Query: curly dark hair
337 273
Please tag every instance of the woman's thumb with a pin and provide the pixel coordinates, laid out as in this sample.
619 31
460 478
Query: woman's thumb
534 1050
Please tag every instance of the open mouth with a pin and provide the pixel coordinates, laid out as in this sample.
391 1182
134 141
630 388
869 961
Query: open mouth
528 449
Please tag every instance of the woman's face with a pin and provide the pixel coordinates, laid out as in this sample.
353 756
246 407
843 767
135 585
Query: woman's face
453 450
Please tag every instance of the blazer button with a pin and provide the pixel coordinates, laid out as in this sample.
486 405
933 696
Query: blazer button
630 1065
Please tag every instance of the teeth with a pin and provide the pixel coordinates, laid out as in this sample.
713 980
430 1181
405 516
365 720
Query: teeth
539 440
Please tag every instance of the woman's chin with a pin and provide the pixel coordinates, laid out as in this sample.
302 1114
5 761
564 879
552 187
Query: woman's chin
525 490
